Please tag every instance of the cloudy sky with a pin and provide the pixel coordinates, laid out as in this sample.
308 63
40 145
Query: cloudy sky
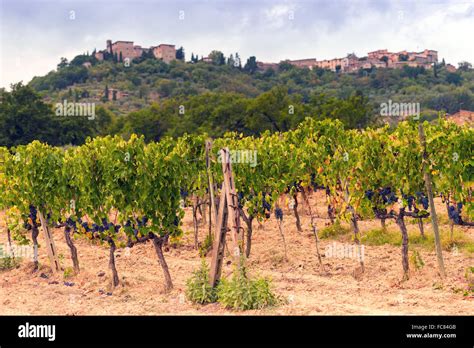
35 34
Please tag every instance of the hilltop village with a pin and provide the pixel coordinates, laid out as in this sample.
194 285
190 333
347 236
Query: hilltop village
382 58
378 59
127 50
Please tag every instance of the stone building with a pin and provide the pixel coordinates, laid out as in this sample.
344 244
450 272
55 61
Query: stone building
265 66
336 64
165 52
304 63
99 56
128 50
116 94
451 68
378 54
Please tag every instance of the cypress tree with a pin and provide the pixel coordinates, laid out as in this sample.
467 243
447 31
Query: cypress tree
106 92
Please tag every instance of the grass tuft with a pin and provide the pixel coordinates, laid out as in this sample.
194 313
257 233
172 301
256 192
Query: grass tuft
198 289
334 230
393 237
243 293
8 263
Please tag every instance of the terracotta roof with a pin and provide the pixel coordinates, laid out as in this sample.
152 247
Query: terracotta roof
462 117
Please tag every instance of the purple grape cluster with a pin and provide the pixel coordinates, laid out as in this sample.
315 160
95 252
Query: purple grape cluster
314 184
279 214
104 227
422 199
183 192
388 197
266 206
386 193
454 213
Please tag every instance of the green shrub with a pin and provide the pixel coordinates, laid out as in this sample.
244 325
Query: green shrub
334 230
198 289
8 263
68 272
242 293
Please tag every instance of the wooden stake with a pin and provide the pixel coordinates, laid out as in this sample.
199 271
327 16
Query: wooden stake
50 247
429 190
213 207
195 222
228 211
219 241
232 204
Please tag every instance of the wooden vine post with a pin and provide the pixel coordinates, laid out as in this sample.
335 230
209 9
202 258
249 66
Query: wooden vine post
232 204
429 190
213 207
50 247
218 246
228 213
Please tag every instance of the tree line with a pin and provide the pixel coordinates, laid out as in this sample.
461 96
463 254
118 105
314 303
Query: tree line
25 117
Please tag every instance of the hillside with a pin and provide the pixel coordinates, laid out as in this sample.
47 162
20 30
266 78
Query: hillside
149 80
156 99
